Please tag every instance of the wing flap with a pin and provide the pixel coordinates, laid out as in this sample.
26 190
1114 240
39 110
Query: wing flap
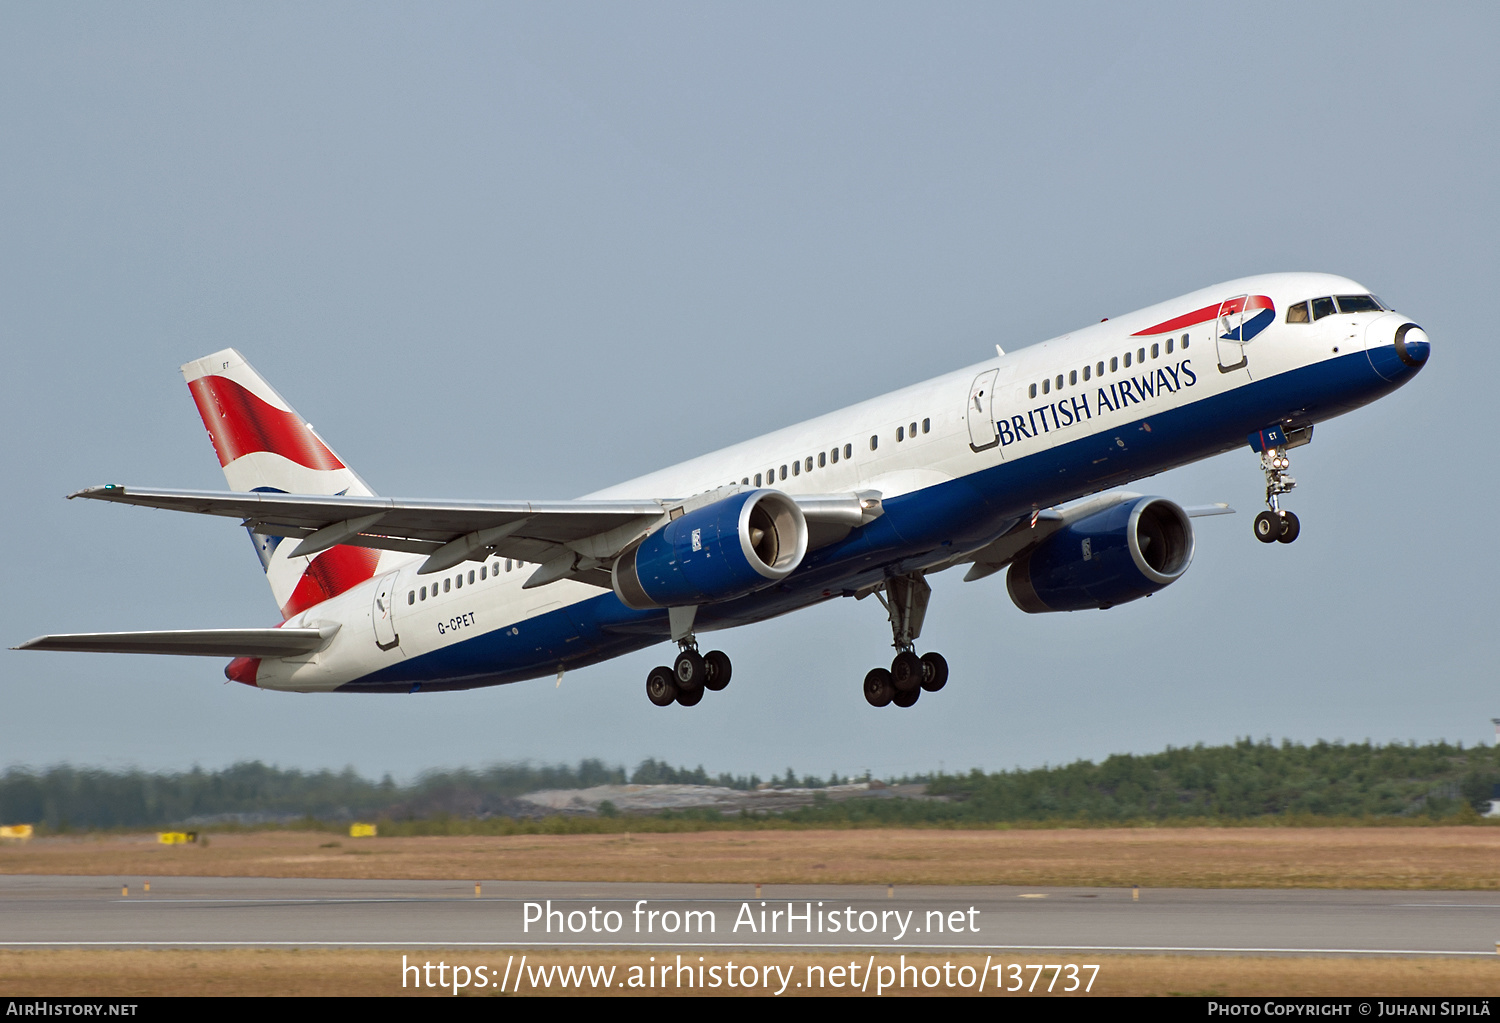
190 642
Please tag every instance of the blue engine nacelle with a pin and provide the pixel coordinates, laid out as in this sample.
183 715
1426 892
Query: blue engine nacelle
1118 555
724 550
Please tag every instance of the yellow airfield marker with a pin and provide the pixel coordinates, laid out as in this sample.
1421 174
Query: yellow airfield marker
124 890
476 888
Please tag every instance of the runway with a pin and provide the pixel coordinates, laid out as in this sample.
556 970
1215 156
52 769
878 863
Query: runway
51 911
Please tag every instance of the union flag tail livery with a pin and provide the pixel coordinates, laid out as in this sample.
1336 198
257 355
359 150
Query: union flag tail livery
264 446
1007 464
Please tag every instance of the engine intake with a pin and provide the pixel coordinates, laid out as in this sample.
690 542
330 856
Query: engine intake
1116 556
718 552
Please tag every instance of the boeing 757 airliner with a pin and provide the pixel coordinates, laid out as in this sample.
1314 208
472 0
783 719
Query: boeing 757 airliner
1006 464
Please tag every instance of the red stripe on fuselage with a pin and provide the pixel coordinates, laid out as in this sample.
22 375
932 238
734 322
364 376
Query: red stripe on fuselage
1207 313
331 573
239 423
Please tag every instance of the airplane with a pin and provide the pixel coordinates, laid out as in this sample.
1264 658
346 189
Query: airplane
1006 464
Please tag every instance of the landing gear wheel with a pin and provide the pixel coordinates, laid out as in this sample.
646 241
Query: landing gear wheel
690 697
907 698
878 687
661 686
688 670
1290 528
1268 527
906 672
716 670
934 672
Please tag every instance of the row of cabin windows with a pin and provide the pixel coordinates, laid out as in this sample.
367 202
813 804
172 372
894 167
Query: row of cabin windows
824 458
1321 307
456 582
1056 383
902 433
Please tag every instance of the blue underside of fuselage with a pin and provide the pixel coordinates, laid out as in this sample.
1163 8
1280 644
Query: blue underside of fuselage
919 530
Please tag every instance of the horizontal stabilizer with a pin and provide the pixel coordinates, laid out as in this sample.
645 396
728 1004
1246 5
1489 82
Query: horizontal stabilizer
194 642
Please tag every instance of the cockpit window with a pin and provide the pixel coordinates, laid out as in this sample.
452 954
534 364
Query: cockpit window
1358 304
1322 307
1297 313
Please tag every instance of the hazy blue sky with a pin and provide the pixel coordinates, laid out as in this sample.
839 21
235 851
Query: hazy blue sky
516 251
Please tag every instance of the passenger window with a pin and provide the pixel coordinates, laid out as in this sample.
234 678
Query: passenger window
484 571
411 596
1140 356
1322 307
1184 342
783 472
875 441
1059 381
471 576
848 450
1086 370
1298 313
911 431
507 564
757 479
1169 346
1155 351
423 592
1046 386
1072 378
459 581
822 459
1032 392
927 426
1127 360
796 468
834 456
1114 363
447 585
900 434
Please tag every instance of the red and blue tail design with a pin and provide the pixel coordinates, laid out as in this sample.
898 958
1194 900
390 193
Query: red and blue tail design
263 444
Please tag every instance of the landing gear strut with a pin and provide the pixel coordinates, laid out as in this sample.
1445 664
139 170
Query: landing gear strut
690 676
1277 524
905 600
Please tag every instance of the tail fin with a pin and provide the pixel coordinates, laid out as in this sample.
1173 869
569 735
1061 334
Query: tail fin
263 444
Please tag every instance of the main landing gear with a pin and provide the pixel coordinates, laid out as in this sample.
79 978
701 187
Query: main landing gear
1278 524
905 600
689 676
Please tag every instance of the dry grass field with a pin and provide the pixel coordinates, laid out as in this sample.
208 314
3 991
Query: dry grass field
362 972
1377 857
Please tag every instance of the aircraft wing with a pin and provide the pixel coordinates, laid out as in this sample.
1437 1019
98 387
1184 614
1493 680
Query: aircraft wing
567 539
197 642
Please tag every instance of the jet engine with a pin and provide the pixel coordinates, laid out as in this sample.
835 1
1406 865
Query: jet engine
718 552
1115 556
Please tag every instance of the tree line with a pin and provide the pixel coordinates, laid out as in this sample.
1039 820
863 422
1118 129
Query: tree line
1244 781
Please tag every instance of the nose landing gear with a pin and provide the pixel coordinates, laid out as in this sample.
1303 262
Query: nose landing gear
1277 524
905 601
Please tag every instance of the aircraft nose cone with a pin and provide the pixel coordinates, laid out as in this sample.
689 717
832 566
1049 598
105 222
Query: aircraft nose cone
1412 345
